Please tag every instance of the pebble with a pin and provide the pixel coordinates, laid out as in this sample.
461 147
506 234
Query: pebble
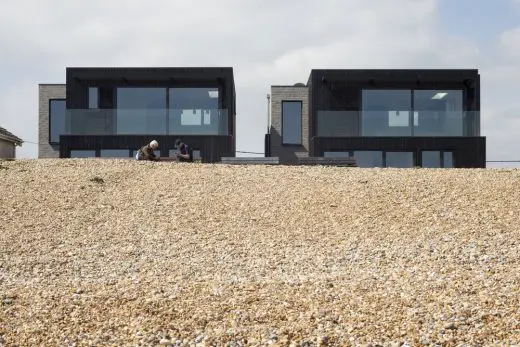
321 257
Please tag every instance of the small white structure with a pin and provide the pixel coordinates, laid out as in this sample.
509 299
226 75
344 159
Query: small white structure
8 143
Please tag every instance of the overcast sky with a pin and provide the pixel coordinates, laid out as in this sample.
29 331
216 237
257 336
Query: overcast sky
266 42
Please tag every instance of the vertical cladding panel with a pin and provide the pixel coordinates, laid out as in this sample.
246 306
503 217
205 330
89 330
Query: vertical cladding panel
288 154
47 92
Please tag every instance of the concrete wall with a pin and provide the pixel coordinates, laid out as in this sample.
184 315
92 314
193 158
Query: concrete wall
288 154
45 93
7 150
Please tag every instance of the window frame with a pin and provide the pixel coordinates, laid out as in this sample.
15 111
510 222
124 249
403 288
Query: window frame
300 143
50 118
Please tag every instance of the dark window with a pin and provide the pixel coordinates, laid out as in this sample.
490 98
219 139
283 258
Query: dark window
336 154
115 153
57 119
141 111
93 97
399 159
431 159
448 159
416 112
437 159
291 122
196 111
386 112
82 154
440 112
368 159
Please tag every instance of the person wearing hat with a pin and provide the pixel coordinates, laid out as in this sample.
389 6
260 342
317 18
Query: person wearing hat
185 153
147 152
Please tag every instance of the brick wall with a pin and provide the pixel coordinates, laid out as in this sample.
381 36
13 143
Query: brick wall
46 92
288 154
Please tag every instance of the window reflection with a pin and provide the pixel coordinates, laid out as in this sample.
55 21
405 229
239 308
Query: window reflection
386 112
369 159
141 110
336 154
431 159
432 113
440 112
399 159
195 110
448 159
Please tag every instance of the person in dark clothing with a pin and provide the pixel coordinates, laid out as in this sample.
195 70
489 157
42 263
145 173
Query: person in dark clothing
147 152
185 152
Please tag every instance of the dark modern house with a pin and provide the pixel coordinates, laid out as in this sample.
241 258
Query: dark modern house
112 112
382 118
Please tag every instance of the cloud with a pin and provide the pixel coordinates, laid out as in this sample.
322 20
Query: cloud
510 41
267 42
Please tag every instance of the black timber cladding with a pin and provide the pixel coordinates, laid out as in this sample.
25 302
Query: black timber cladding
468 152
79 79
106 79
352 82
212 148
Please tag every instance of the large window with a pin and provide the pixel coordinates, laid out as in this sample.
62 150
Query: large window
291 122
195 110
57 120
412 112
141 110
386 113
440 112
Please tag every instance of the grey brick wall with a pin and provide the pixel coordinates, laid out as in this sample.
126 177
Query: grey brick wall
288 154
45 93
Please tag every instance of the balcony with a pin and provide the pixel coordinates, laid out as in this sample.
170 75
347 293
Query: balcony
150 121
397 123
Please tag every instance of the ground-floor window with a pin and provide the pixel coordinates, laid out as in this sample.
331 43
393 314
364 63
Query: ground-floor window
437 159
396 159
399 159
82 153
115 153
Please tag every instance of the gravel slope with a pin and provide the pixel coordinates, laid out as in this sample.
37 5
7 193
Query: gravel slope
108 252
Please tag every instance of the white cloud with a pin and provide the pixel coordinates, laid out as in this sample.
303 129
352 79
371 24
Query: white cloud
267 42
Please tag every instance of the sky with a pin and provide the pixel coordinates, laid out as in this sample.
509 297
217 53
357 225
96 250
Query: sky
267 42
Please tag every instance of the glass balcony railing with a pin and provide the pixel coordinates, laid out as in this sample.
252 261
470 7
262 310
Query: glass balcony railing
146 122
397 123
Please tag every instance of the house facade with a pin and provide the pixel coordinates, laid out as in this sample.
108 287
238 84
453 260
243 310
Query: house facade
112 112
8 143
382 118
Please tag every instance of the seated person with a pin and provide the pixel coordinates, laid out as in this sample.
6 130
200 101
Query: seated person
146 152
185 152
